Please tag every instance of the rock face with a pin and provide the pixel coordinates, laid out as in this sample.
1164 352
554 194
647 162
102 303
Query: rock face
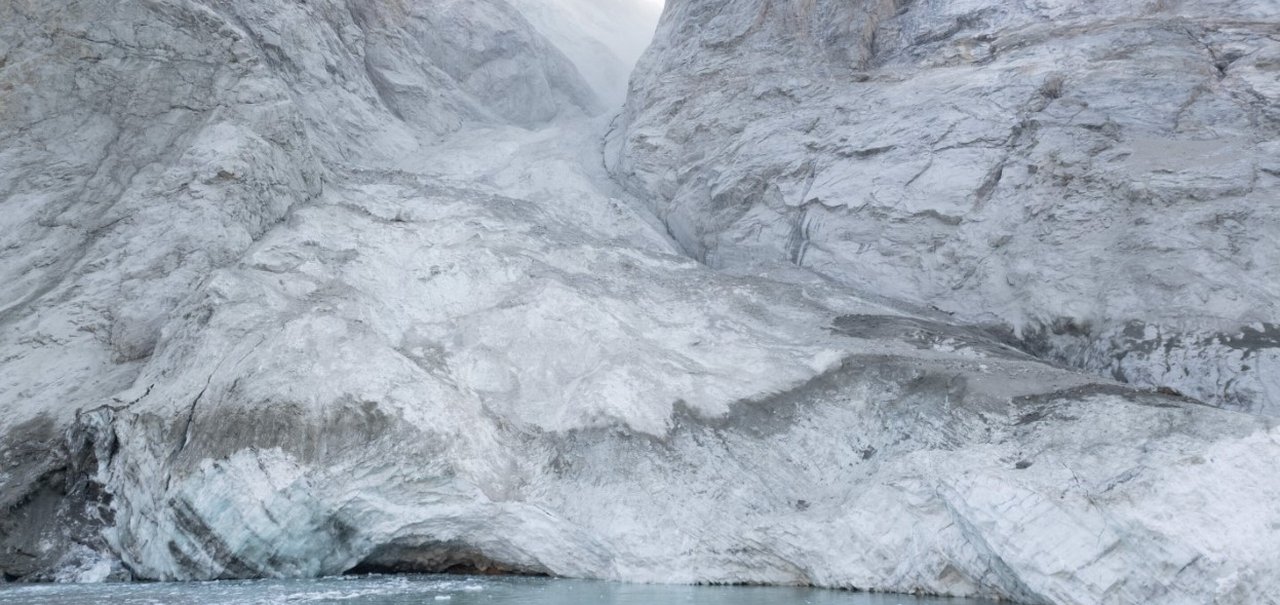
304 288
148 144
1095 179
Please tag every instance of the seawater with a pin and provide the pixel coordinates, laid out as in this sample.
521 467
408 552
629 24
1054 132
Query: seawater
438 590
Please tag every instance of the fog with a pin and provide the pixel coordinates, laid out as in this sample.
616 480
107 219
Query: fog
616 33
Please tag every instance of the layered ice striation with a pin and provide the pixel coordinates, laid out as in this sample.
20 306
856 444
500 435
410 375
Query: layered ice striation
1097 180
303 288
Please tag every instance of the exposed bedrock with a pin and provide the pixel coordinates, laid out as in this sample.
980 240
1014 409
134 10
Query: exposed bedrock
310 288
1097 179
145 144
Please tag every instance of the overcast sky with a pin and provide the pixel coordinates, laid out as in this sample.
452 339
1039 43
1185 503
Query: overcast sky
602 37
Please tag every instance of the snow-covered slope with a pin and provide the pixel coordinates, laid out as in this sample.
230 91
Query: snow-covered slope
305 288
1096 179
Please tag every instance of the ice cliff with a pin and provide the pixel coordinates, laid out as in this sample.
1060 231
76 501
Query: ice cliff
853 294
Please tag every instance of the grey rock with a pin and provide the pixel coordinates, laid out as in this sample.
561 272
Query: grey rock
147 144
1058 170
304 288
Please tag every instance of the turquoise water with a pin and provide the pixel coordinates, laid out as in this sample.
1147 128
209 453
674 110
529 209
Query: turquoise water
438 590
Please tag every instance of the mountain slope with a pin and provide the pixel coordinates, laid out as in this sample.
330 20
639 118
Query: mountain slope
1093 179
308 288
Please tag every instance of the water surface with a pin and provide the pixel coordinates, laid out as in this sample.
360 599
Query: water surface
438 590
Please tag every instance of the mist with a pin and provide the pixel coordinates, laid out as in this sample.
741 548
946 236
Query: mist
616 34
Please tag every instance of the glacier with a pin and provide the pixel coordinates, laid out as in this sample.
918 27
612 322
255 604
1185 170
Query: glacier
869 295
